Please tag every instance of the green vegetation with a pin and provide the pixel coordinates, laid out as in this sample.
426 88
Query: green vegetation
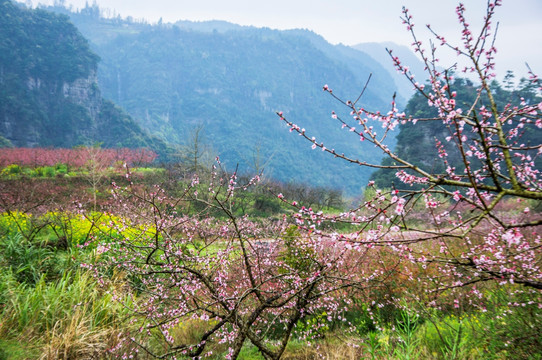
61 170
49 304
60 310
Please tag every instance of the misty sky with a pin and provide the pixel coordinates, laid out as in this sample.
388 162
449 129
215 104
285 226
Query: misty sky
355 21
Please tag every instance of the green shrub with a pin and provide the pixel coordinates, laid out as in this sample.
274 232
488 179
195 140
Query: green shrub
295 254
61 169
265 205
49 171
39 171
12 169
313 326
360 318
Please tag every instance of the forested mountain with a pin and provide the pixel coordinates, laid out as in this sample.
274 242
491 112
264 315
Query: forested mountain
417 142
49 94
229 81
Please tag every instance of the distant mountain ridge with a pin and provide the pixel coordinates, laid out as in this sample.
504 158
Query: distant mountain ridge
209 26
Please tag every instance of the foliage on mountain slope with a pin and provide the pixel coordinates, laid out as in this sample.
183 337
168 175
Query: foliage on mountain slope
50 94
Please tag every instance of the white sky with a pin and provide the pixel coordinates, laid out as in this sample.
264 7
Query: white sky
354 21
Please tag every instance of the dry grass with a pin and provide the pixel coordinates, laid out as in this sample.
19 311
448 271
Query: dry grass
75 338
329 349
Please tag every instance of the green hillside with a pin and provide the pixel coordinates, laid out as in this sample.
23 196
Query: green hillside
50 94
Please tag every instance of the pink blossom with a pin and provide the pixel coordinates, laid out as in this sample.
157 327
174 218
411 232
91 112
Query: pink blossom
457 195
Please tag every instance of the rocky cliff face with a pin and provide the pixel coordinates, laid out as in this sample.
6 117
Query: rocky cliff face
83 91
54 112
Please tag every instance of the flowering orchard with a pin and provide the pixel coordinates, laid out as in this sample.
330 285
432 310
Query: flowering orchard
437 241
73 158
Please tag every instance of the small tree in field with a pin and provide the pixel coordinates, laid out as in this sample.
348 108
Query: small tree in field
96 167
466 236
196 155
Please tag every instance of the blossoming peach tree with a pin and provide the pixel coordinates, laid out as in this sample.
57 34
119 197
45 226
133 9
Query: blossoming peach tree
454 224
233 280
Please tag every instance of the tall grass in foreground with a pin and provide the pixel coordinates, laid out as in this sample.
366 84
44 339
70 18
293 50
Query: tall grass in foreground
72 318
50 308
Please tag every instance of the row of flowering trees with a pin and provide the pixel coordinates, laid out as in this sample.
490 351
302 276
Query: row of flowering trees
73 158
445 235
